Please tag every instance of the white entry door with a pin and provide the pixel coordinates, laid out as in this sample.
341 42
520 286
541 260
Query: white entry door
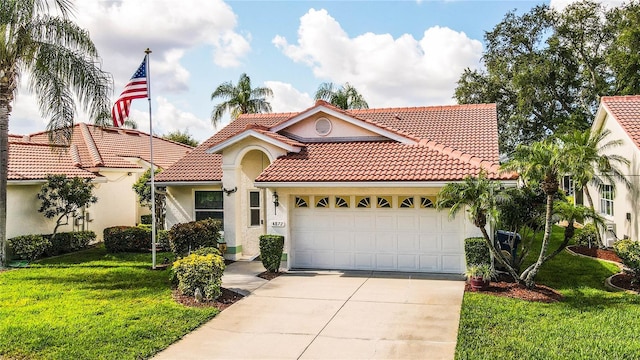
402 235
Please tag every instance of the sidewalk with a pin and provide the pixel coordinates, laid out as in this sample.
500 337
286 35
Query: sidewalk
242 277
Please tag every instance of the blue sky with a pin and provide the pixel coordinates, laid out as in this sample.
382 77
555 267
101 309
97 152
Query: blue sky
396 53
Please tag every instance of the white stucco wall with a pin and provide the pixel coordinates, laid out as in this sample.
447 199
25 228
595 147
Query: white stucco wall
625 201
180 202
117 205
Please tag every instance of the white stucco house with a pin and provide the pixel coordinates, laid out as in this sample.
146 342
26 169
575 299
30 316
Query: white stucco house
621 209
113 158
348 189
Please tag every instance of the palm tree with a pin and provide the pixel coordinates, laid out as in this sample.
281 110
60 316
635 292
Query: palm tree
571 213
478 195
540 163
240 99
589 164
344 97
62 63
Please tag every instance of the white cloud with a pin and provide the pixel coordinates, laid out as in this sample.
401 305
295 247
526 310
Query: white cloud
286 98
123 28
387 71
167 118
561 4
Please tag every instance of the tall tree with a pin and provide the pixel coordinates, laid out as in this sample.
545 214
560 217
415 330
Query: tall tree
345 97
182 137
546 70
62 64
240 99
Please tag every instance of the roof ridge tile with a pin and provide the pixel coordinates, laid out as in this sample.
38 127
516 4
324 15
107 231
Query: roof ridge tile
91 145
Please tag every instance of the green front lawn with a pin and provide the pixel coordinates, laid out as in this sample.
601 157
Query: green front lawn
91 305
590 323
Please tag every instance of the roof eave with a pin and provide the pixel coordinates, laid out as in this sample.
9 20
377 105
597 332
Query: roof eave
359 184
218 148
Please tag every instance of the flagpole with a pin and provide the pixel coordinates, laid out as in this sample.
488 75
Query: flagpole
153 186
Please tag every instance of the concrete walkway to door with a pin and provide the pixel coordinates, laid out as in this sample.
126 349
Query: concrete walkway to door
331 315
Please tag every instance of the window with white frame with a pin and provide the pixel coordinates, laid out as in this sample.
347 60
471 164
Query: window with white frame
254 208
209 205
567 185
606 200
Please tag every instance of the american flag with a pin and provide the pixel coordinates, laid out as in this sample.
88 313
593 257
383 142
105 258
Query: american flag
135 89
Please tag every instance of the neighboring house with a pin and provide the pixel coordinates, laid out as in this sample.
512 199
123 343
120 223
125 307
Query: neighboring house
347 189
113 158
621 209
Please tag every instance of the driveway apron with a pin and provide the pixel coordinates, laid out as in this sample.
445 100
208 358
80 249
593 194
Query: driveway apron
334 315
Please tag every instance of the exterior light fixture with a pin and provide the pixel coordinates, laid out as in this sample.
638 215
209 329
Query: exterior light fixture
276 201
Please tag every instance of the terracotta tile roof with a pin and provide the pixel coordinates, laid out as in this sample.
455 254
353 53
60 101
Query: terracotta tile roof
200 166
34 161
453 141
109 147
372 161
31 157
626 110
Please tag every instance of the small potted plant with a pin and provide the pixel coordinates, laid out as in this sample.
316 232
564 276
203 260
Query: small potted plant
479 276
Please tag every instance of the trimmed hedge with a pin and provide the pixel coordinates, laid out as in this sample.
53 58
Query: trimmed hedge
187 237
629 252
476 251
271 247
202 272
66 242
127 239
207 250
28 247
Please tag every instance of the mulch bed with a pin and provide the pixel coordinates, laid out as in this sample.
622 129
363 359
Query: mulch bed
603 254
225 300
504 286
625 281
270 275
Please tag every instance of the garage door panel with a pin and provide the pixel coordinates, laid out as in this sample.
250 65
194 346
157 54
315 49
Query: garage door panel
408 262
386 242
385 262
386 239
364 261
408 243
429 242
429 263
364 221
452 263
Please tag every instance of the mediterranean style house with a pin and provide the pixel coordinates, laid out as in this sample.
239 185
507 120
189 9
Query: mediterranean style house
113 158
348 189
620 208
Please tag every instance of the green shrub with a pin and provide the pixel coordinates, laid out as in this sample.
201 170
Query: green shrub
200 271
207 250
271 251
187 237
146 219
587 236
629 252
476 251
28 247
66 242
127 239
162 239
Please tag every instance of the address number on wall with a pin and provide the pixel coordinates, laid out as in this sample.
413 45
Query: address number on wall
277 224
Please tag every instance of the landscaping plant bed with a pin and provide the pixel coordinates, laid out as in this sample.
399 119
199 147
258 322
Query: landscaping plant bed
625 281
225 300
597 253
507 288
267 275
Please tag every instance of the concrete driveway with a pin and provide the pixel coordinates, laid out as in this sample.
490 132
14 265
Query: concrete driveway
334 315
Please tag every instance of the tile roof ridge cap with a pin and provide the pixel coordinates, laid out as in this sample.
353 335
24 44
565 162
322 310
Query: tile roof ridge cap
75 156
407 108
620 97
91 145
459 154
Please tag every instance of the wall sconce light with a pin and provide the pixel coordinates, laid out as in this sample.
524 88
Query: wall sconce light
230 191
276 201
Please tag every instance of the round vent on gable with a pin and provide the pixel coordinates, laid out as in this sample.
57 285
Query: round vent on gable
323 126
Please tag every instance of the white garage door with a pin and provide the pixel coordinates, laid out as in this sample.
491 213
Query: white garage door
387 233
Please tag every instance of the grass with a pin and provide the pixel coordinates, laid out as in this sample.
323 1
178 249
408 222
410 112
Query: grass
91 305
590 323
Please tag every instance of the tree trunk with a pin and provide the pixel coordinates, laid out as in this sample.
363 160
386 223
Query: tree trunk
4 161
587 193
498 255
530 273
